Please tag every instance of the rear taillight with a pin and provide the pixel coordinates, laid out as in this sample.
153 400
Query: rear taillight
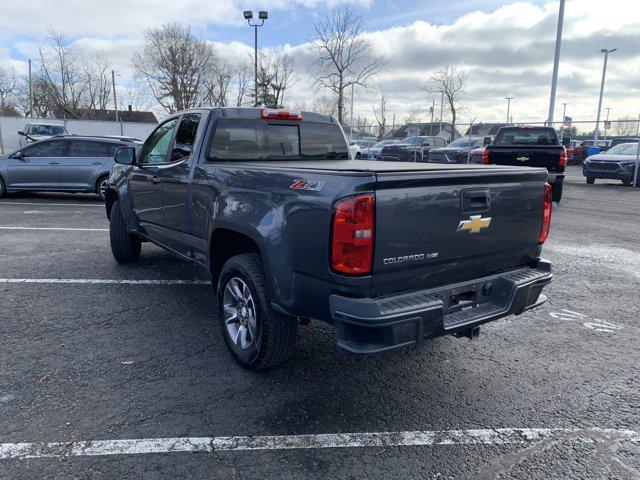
485 157
563 158
546 213
352 242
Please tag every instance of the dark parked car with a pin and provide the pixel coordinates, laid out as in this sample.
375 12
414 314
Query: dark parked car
530 147
62 164
411 149
291 229
617 163
458 151
374 152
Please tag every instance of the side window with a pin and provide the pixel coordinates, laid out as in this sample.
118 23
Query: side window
156 148
236 139
87 148
284 141
52 148
440 142
185 136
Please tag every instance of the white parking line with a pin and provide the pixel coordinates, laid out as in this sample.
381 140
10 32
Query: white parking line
63 229
101 205
104 281
498 436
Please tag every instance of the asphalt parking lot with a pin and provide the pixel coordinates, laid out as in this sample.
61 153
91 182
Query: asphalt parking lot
93 351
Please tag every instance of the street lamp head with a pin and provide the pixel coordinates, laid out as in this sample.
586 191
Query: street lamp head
604 50
263 15
248 14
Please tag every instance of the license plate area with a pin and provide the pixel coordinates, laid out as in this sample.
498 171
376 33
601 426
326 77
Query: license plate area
462 300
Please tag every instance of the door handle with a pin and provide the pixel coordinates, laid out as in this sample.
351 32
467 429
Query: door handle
54 163
96 163
155 179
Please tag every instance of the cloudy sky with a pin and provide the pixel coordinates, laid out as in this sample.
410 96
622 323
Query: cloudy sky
506 47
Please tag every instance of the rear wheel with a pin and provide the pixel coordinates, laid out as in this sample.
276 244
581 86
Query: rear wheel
125 246
3 190
358 156
591 180
101 186
257 336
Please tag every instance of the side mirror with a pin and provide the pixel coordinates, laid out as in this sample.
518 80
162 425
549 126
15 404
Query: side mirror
125 155
20 132
487 140
18 155
566 141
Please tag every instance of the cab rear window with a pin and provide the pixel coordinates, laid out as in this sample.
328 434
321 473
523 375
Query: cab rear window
243 139
526 136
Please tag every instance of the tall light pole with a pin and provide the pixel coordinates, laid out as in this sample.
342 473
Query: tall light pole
508 99
441 109
556 64
604 74
351 120
30 92
262 16
606 122
433 107
564 115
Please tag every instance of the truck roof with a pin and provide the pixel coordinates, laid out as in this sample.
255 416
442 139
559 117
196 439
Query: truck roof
255 112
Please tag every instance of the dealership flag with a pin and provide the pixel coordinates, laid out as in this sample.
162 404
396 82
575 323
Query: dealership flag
567 121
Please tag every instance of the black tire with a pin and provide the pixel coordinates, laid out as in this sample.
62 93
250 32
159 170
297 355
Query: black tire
556 191
3 190
275 333
358 156
591 180
99 190
125 246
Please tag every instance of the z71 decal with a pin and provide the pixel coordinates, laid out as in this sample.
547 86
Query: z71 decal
312 185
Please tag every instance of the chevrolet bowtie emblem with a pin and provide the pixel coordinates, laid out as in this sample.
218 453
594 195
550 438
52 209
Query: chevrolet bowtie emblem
522 159
474 224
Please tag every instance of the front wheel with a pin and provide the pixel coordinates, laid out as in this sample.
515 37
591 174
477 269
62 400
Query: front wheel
556 191
101 186
3 189
257 336
125 246
591 180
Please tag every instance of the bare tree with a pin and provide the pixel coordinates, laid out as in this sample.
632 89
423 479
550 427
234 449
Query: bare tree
380 112
62 76
325 104
284 76
8 84
216 85
343 57
452 81
626 127
412 116
243 77
173 63
97 71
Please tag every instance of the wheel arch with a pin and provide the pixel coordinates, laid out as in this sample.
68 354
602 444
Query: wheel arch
226 242
110 197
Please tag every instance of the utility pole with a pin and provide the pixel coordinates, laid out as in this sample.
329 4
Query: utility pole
433 107
635 174
606 124
604 74
30 92
508 107
441 110
115 97
351 121
556 64
564 115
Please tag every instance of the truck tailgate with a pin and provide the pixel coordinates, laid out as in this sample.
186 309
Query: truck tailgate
438 228
545 156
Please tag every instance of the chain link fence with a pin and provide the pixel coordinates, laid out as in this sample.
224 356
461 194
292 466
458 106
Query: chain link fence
611 156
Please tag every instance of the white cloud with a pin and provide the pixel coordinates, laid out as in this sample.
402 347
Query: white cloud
507 52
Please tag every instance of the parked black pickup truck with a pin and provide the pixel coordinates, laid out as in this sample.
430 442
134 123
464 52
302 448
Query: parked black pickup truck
290 229
530 147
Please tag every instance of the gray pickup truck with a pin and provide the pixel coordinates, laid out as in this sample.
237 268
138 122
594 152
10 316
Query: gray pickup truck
290 229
